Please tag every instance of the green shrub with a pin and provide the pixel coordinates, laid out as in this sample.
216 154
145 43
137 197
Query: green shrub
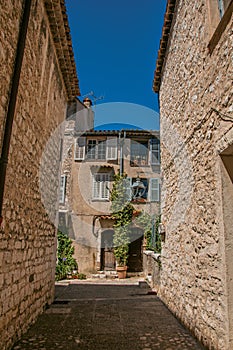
65 260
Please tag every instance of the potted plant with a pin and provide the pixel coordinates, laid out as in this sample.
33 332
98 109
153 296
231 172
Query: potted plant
121 250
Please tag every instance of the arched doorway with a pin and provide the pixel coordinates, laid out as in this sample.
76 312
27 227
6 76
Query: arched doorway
108 262
135 262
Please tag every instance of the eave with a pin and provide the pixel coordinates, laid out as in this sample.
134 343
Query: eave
168 17
60 30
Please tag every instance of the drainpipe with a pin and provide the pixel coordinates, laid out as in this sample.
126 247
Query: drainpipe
120 152
13 98
121 142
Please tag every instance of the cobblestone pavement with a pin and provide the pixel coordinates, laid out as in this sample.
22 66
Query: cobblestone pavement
106 316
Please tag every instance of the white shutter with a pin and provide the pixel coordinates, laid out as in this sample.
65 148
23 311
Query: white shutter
62 189
154 190
105 186
79 152
111 148
96 187
154 152
100 189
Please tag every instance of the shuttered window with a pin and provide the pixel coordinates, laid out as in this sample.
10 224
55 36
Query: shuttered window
80 145
154 152
62 189
154 190
100 188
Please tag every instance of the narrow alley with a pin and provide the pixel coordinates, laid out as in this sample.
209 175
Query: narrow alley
107 315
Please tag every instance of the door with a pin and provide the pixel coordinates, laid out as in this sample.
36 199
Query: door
135 263
107 254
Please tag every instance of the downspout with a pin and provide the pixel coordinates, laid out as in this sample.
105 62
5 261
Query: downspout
121 142
13 98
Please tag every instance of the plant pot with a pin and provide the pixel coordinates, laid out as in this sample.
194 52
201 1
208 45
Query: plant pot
121 271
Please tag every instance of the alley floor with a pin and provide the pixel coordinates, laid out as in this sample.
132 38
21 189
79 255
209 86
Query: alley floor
107 316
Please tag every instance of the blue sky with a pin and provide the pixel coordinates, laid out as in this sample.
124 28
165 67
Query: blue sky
115 45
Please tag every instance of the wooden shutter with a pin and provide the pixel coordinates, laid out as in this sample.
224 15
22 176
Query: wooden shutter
154 190
80 145
111 148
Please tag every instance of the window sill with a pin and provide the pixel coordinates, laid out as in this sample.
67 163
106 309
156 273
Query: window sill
100 200
220 28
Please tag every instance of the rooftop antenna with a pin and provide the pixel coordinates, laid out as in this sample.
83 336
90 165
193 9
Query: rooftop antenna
94 97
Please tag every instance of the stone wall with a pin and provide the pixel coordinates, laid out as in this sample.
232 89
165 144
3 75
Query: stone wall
27 236
151 268
196 100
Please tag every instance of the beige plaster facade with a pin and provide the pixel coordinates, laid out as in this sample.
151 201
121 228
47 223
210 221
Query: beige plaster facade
27 236
85 207
194 80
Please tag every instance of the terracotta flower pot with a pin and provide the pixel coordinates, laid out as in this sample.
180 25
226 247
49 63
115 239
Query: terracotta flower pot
121 271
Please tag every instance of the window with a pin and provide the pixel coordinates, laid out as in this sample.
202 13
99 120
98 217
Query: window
154 152
136 193
100 188
62 189
95 149
79 153
220 12
91 149
138 153
154 190
101 150
111 148
222 6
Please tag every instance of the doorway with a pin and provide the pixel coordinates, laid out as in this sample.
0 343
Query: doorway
135 260
227 213
108 262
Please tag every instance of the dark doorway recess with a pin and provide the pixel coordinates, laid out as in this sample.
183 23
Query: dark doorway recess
135 250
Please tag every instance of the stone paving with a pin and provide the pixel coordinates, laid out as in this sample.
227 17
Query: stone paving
107 315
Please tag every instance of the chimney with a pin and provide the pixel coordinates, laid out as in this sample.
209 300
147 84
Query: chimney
87 102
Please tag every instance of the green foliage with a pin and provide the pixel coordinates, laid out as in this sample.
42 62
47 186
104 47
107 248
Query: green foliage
150 225
122 211
82 276
65 260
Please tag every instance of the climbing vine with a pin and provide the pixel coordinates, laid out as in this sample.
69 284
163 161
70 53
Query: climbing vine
122 212
150 226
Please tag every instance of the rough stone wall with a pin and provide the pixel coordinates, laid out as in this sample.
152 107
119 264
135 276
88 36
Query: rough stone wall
27 236
193 275
9 24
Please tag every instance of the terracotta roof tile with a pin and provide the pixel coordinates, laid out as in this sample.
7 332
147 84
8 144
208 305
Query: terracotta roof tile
59 26
170 9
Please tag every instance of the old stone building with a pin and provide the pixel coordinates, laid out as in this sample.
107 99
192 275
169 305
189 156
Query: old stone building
46 81
91 158
194 80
